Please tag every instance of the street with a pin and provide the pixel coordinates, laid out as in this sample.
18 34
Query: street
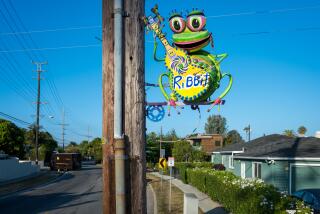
75 192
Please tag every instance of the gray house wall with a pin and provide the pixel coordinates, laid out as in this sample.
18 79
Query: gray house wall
276 174
286 176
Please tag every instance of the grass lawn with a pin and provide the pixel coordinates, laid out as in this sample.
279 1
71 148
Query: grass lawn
162 195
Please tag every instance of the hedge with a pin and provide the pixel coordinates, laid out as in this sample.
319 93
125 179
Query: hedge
239 196
181 168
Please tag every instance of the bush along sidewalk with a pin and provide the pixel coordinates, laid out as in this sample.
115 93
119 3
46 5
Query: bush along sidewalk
239 196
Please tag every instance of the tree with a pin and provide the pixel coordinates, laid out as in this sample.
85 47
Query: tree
73 147
84 149
46 143
233 136
152 137
216 124
289 133
302 130
182 151
198 156
11 139
171 135
152 147
97 149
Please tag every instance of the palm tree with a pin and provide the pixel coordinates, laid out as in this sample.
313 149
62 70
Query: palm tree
289 133
302 130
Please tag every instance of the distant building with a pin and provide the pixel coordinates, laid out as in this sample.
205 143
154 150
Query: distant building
288 163
207 143
317 135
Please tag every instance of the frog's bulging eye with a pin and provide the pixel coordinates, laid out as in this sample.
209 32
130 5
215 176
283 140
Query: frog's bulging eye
177 24
196 22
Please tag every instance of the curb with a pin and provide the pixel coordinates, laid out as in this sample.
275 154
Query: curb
155 205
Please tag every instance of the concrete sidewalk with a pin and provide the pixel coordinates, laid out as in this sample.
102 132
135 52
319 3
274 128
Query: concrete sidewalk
206 205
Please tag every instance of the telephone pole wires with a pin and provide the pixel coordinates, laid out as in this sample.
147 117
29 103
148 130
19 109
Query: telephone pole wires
39 71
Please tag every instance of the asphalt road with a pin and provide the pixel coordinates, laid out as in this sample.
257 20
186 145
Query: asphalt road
78 192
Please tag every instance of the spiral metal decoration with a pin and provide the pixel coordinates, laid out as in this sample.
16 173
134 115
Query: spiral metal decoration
179 64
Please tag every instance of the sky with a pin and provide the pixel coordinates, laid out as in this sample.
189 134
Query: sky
272 48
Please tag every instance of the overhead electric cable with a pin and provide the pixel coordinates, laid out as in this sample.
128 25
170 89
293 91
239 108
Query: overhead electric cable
14 118
282 10
24 28
52 30
53 48
17 38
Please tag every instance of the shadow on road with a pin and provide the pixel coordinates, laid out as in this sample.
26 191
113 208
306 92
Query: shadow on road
73 192
35 203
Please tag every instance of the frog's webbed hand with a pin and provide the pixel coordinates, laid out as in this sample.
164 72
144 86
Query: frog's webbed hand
218 58
155 53
221 57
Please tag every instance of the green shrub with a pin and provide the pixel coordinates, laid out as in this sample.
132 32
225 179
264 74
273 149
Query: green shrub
239 196
181 168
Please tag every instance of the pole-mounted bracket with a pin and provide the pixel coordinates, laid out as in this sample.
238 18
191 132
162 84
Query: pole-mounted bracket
124 14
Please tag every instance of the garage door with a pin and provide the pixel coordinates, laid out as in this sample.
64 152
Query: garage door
304 176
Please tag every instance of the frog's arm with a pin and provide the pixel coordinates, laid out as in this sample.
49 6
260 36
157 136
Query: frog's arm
218 58
166 96
155 52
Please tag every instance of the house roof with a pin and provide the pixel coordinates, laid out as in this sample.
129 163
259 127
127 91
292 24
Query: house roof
206 136
277 146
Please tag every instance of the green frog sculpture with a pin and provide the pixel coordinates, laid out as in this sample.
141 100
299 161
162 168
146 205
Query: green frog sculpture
193 73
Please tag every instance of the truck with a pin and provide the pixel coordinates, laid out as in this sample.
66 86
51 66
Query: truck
65 161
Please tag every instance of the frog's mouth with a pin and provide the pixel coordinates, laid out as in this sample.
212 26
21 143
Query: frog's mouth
193 45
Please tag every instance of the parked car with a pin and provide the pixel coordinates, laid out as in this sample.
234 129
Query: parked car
310 197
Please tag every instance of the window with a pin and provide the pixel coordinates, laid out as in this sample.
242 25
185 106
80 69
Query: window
256 170
223 159
217 143
197 142
231 162
243 170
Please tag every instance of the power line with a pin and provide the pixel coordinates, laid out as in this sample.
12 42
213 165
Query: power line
15 119
259 33
29 47
47 108
15 88
99 45
282 10
12 29
53 48
52 30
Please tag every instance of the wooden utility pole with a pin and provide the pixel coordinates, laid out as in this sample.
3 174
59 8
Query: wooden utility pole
39 71
109 200
134 104
133 108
